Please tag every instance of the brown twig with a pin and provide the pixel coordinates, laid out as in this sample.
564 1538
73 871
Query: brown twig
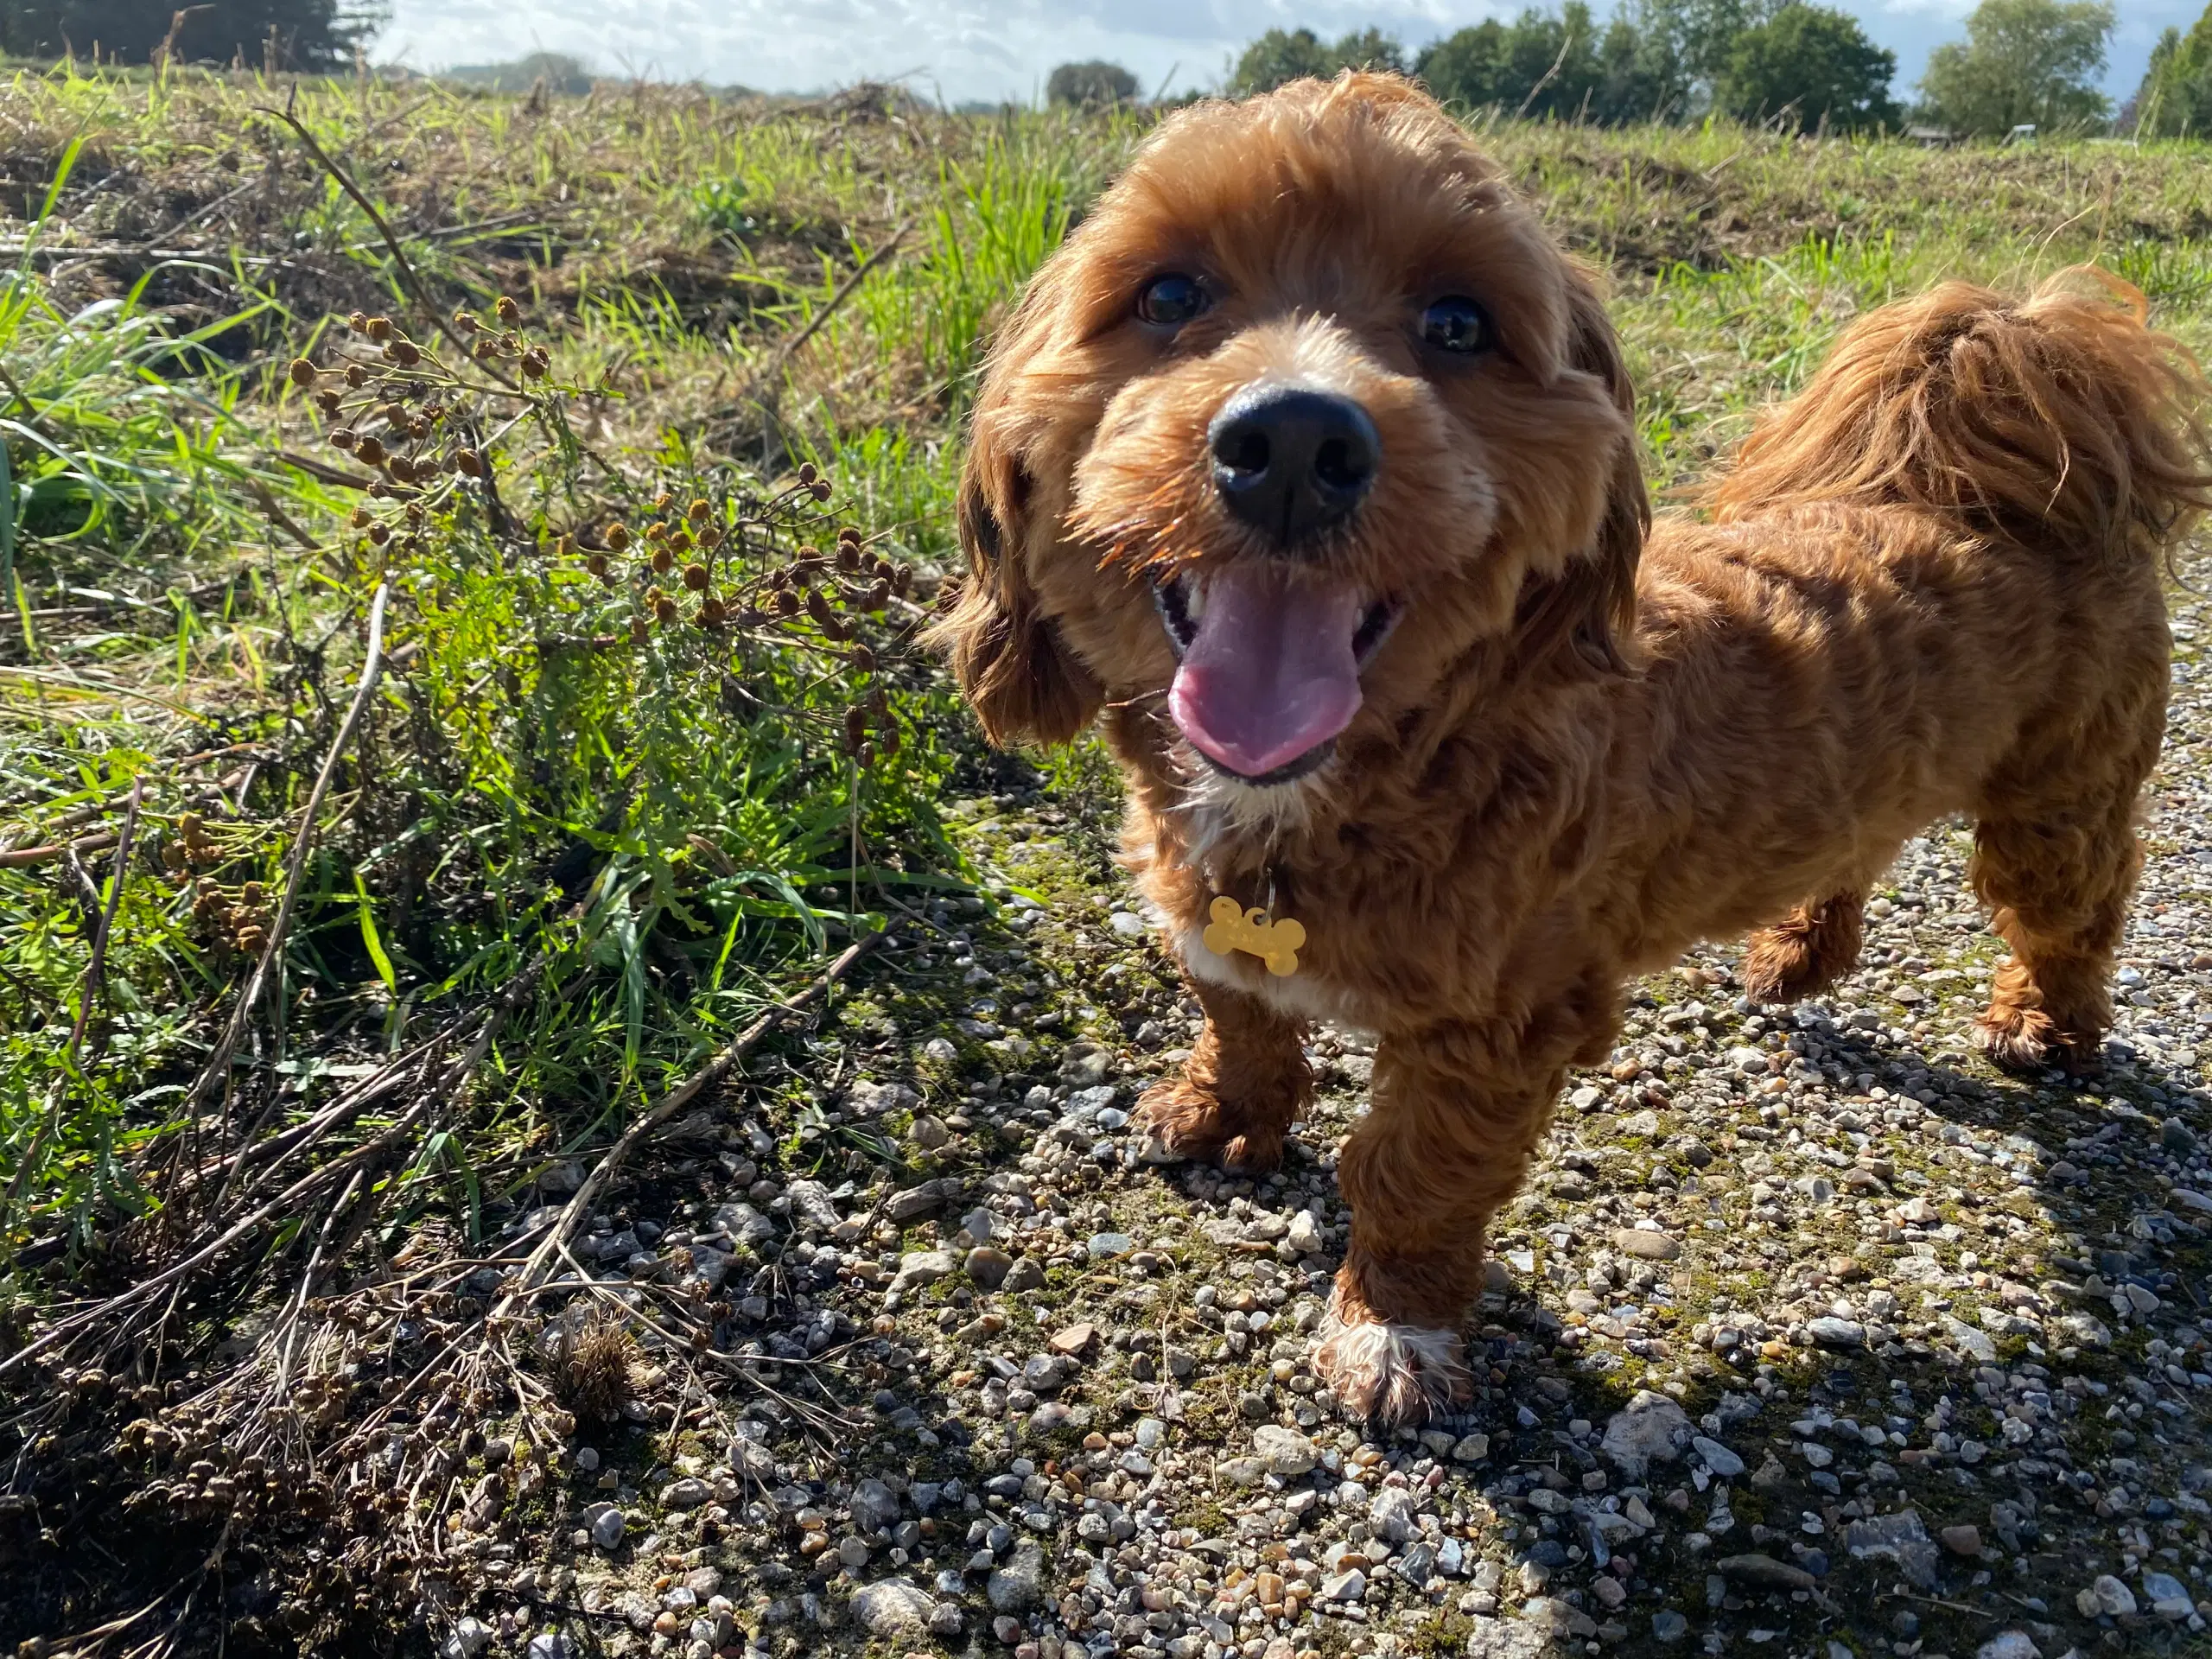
720 1067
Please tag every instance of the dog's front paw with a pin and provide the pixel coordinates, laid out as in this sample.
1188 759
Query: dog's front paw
1393 1374
1190 1122
2025 1039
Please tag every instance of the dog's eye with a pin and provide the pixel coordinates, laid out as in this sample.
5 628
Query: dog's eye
1172 301
1456 323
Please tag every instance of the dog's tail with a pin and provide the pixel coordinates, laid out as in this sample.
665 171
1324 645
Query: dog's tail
2061 421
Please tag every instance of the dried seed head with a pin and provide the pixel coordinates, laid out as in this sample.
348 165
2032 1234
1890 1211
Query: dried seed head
637 630
866 755
878 597
662 561
328 402
343 438
469 461
379 489
360 517
848 556
698 510
403 470
596 563
404 353
562 547
356 376
694 577
710 537
863 659
679 536
665 610
856 728
485 350
395 413
849 534
711 612
656 532
358 321
302 371
889 740
818 608
617 536
464 321
664 501
787 604
379 534
821 489
536 362
369 450
380 329
509 312
901 579
807 473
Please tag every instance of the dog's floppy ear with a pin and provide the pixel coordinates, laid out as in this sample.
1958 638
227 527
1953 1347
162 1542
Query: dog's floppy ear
1006 656
1590 605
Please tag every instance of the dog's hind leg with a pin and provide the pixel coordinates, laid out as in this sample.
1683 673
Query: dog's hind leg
1803 955
1242 1088
2056 877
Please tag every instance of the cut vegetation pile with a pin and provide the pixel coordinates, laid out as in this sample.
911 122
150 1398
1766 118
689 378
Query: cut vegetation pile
520 998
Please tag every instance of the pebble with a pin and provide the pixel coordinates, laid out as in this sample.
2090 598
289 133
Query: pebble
1285 1450
608 1528
1718 1457
1646 1245
989 1266
2106 1597
2009 1644
1765 1572
1104 1247
892 1606
1833 1332
1017 1586
1651 1428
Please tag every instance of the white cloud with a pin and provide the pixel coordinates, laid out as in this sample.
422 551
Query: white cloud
1004 48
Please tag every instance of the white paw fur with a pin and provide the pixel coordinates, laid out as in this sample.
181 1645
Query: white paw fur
1393 1373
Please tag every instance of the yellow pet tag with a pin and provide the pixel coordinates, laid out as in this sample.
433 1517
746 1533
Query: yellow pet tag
1234 928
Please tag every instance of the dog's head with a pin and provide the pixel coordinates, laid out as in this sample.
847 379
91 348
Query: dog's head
1309 410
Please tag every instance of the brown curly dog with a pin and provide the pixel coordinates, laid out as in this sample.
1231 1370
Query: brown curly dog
1309 465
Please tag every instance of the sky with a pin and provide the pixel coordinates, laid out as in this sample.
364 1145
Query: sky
998 49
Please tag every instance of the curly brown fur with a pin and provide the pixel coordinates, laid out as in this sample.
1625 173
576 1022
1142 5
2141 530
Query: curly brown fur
1930 584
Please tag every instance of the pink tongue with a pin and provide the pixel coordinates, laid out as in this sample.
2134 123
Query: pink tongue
1271 672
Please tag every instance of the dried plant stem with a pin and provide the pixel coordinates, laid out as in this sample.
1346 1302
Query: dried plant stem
218 1062
579 1206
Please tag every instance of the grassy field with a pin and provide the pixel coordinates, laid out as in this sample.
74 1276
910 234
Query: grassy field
376 834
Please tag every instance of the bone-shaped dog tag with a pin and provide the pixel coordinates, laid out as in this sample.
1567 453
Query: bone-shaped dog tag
1234 928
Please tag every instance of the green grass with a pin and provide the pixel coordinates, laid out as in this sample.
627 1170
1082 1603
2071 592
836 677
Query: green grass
637 834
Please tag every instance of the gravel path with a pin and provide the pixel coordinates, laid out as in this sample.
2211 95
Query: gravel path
1812 1336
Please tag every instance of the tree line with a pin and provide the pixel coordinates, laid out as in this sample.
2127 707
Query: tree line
2022 63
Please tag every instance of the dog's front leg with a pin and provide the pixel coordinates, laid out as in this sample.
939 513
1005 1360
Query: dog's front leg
1243 1086
1447 1142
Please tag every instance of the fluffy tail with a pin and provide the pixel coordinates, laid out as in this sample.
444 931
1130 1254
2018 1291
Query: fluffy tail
2061 421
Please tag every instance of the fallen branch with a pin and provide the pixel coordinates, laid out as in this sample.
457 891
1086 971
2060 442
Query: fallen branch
720 1067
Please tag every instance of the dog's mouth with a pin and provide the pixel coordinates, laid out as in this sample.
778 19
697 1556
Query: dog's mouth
1268 661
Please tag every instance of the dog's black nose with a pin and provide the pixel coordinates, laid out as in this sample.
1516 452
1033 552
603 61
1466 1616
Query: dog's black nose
1289 460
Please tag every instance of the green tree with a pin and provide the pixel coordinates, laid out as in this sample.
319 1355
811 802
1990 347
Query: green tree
1093 85
1811 66
1539 64
2176 98
304 34
2022 62
1283 55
